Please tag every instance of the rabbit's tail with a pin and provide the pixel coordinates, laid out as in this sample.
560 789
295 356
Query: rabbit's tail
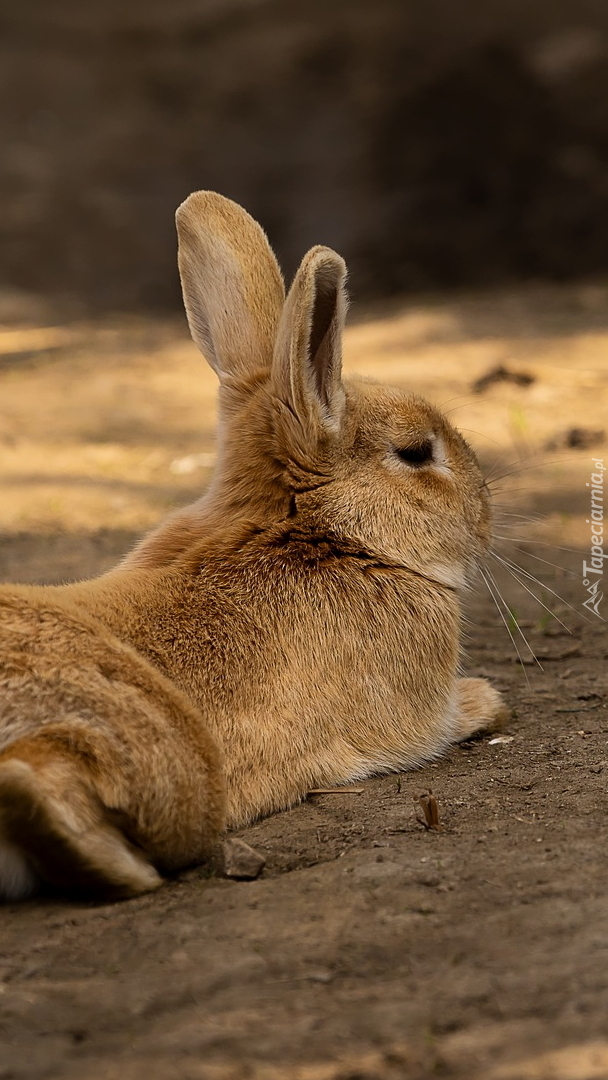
54 828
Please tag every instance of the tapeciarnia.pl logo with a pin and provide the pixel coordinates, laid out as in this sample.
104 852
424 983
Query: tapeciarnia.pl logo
593 571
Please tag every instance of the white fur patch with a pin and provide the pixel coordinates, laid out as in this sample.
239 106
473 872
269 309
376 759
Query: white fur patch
454 575
17 879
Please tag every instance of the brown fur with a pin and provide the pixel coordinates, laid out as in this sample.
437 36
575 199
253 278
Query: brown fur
296 627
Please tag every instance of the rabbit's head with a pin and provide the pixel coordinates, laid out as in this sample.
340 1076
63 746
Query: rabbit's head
362 464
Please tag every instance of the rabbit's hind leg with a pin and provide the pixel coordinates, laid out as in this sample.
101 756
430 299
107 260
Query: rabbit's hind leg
54 828
479 707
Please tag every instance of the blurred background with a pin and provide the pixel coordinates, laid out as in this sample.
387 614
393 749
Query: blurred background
435 143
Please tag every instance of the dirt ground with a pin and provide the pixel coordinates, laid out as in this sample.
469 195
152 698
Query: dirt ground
370 947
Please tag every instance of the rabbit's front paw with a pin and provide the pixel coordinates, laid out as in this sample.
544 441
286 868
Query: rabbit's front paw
479 708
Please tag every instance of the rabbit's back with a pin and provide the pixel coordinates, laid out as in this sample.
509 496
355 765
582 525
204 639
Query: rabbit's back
310 661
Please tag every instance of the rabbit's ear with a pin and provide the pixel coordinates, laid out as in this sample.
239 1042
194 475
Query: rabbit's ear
232 286
308 354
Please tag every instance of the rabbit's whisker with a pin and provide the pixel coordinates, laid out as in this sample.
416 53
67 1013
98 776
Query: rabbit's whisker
463 405
513 491
507 627
491 475
517 472
518 465
528 518
543 543
518 573
547 562
482 434
509 505
512 616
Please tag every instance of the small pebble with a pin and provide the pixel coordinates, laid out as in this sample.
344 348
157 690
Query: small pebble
239 860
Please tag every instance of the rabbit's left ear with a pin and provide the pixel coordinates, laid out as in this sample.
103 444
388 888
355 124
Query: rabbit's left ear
307 365
232 286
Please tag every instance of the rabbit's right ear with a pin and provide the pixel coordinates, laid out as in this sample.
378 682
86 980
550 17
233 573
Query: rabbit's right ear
232 286
307 369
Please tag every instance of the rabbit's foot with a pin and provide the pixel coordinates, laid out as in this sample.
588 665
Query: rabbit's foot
479 707
59 829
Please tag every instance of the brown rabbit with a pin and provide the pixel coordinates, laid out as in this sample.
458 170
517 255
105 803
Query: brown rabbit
297 626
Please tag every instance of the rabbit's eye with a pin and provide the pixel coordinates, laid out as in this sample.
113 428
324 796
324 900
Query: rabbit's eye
417 455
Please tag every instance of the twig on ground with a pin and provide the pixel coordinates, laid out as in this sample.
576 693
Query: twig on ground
430 809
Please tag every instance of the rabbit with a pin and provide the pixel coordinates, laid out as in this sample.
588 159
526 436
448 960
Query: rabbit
298 626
